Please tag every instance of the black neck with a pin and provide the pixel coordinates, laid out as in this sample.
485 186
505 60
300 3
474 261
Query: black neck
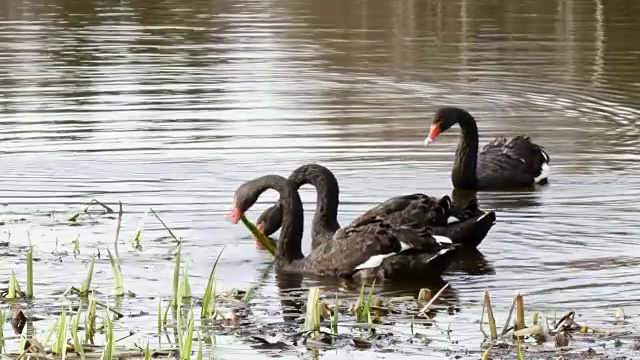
464 173
290 241
325 220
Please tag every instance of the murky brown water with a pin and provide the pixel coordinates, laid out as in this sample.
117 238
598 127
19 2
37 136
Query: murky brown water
172 104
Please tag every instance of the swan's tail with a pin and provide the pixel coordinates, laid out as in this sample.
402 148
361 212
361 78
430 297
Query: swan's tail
468 233
413 265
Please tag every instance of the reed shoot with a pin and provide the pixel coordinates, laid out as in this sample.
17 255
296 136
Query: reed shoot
3 319
14 291
312 318
77 345
334 317
60 342
492 321
110 342
209 299
86 285
30 272
264 240
90 321
176 279
117 276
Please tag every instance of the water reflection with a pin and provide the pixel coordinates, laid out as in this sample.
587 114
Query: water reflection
501 200
293 292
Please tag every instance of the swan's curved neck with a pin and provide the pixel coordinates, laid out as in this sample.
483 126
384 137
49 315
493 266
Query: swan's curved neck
464 174
325 222
290 241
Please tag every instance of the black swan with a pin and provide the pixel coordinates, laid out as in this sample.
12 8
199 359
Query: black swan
370 248
502 163
414 210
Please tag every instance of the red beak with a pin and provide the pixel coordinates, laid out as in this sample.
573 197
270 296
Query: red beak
235 215
433 134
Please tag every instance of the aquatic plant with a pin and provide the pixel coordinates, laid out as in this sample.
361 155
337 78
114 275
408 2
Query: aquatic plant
266 242
117 276
312 318
66 337
209 299
14 287
30 272
3 319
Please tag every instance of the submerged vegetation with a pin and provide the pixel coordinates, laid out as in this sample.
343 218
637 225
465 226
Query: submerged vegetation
89 325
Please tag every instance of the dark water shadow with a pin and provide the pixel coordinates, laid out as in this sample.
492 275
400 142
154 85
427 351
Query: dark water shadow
501 200
472 262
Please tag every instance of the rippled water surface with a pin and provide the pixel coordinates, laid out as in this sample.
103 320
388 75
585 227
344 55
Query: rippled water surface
172 104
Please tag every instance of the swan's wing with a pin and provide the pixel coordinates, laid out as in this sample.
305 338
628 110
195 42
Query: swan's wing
515 160
417 267
367 244
468 233
415 210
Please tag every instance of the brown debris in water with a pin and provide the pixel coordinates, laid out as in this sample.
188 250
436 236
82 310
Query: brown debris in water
360 343
18 322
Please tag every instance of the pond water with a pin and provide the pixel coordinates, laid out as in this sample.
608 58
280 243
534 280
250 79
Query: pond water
171 104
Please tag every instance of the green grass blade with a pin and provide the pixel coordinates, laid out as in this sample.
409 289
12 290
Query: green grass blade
86 285
334 318
53 328
176 278
199 356
179 327
367 307
360 303
74 333
519 355
90 321
485 356
3 319
117 276
209 292
166 313
185 289
159 316
110 344
312 317
60 342
264 240
248 295
136 237
185 353
76 246
14 287
30 272
64 338
23 342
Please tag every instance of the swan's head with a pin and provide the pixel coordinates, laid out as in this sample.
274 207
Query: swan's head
235 214
243 199
247 194
440 213
444 118
270 220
